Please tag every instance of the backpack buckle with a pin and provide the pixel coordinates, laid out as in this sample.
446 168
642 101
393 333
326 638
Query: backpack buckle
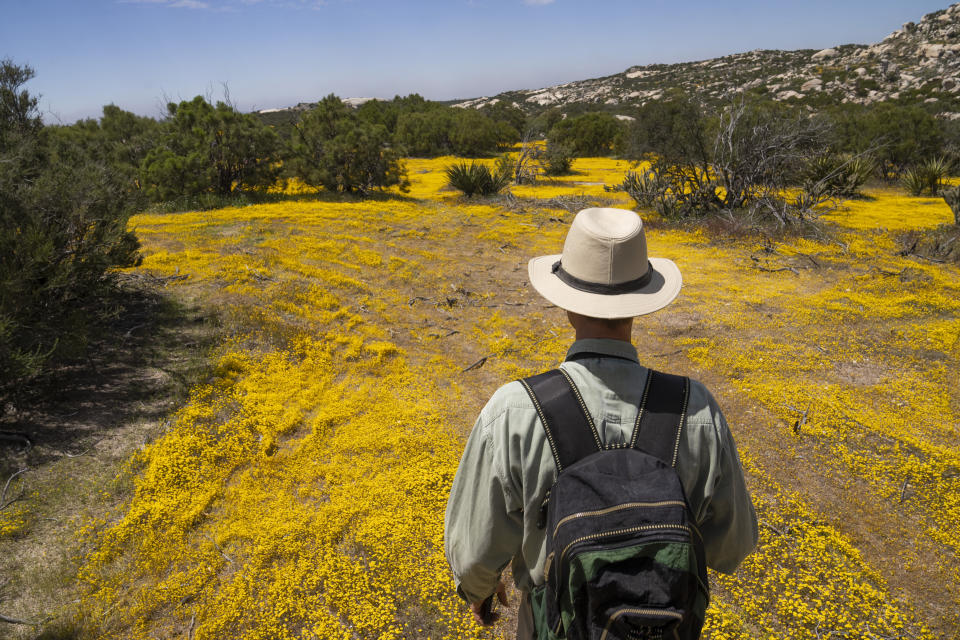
542 518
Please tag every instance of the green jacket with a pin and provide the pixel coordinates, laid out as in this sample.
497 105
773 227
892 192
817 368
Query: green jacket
507 468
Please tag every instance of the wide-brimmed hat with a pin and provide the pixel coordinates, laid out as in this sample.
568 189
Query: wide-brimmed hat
604 270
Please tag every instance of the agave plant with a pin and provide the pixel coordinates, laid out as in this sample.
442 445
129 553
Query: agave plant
476 178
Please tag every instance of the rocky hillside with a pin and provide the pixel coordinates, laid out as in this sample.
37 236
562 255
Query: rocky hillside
918 63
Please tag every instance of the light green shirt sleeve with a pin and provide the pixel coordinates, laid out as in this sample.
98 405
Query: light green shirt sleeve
483 527
724 510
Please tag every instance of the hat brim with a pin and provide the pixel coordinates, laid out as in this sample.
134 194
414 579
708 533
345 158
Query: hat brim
663 287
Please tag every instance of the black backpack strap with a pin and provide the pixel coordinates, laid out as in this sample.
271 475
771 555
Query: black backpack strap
569 427
663 411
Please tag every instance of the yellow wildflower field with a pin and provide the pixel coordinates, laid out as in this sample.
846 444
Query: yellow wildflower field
299 493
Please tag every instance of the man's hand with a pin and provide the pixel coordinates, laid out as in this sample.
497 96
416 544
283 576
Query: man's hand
483 612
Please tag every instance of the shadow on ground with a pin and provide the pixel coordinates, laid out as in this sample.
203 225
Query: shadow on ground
67 440
137 367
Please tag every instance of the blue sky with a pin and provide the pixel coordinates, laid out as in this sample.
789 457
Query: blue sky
274 53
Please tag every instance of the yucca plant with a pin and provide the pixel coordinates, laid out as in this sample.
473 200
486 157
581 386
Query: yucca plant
927 177
654 188
936 171
835 175
914 181
477 178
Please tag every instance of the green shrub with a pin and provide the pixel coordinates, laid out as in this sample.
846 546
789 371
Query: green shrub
332 148
897 136
440 130
63 229
591 134
558 160
210 149
476 178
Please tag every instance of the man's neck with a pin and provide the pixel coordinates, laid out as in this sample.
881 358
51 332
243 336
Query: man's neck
587 328
603 335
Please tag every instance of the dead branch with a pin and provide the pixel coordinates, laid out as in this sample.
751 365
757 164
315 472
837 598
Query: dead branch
791 269
9 620
923 257
665 355
777 530
890 273
799 424
810 258
219 550
903 490
476 365
4 503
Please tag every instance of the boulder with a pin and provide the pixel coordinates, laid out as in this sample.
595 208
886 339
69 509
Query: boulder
788 94
823 54
932 50
812 85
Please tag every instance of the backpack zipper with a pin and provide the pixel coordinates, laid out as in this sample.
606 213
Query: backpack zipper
615 532
643 612
619 507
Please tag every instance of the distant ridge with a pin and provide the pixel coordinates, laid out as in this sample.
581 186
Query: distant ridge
920 61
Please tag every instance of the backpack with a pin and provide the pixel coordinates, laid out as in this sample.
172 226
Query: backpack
624 556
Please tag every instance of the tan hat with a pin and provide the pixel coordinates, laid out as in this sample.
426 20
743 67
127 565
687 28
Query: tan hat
604 270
